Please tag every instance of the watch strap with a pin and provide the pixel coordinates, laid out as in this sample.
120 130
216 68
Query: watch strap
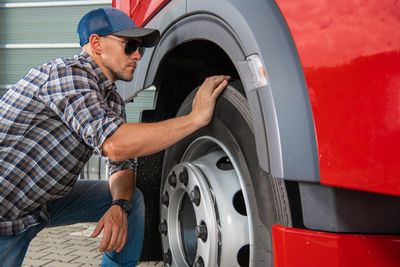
124 204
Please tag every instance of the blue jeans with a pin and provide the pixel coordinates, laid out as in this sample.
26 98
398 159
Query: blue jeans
87 202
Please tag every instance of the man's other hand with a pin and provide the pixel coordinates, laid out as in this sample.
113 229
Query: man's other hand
115 225
204 102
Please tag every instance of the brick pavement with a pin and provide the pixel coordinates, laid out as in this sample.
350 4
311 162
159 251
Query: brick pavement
68 246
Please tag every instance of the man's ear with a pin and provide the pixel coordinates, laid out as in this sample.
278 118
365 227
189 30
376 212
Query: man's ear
96 43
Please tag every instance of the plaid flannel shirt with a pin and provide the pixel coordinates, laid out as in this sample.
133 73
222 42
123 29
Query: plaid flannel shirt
51 121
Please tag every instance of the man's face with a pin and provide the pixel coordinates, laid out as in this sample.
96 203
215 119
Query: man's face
117 63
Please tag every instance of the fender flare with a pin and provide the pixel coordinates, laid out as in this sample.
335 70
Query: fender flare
281 111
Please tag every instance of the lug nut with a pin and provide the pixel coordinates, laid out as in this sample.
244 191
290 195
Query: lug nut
201 231
184 177
195 196
168 257
162 228
199 263
172 179
165 199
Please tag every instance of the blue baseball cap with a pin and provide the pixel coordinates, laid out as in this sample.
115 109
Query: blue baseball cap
108 20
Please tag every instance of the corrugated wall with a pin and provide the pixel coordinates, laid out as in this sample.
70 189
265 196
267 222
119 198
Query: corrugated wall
33 32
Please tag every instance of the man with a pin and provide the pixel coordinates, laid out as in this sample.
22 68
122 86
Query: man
57 115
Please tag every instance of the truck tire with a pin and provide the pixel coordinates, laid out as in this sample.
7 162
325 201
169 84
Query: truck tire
217 205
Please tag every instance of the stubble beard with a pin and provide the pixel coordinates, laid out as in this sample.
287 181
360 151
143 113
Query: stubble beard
120 74
123 76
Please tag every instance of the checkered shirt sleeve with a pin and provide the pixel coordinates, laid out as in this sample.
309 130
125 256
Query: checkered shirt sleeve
75 97
85 110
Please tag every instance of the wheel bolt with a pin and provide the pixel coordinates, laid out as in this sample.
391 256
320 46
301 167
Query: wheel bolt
199 263
184 177
165 199
201 231
172 179
195 196
168 257
162 228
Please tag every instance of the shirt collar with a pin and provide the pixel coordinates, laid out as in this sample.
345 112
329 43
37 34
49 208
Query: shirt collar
103 82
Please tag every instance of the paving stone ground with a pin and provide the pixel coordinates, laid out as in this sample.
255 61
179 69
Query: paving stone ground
68 246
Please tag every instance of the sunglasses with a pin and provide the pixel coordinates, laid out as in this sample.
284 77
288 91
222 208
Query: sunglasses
130 46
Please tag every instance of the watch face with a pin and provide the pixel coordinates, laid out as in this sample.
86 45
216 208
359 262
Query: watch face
126 206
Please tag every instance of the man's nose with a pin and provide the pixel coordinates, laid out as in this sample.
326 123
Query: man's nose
136 55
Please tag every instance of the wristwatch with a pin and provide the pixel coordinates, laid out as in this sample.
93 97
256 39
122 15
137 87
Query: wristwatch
124 204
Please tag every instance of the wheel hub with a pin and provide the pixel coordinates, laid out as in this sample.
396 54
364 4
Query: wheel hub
202 218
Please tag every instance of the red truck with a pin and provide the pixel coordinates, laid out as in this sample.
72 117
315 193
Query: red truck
300 165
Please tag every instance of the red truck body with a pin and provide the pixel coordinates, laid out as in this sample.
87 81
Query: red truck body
350 55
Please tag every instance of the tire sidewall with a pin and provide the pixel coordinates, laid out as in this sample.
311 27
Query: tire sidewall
231 124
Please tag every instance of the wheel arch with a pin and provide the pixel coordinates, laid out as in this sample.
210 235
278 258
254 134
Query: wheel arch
281 111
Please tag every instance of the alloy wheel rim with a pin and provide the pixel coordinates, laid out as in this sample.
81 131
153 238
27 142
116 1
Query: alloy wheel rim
203 209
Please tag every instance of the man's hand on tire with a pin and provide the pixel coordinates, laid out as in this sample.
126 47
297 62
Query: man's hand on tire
206 97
